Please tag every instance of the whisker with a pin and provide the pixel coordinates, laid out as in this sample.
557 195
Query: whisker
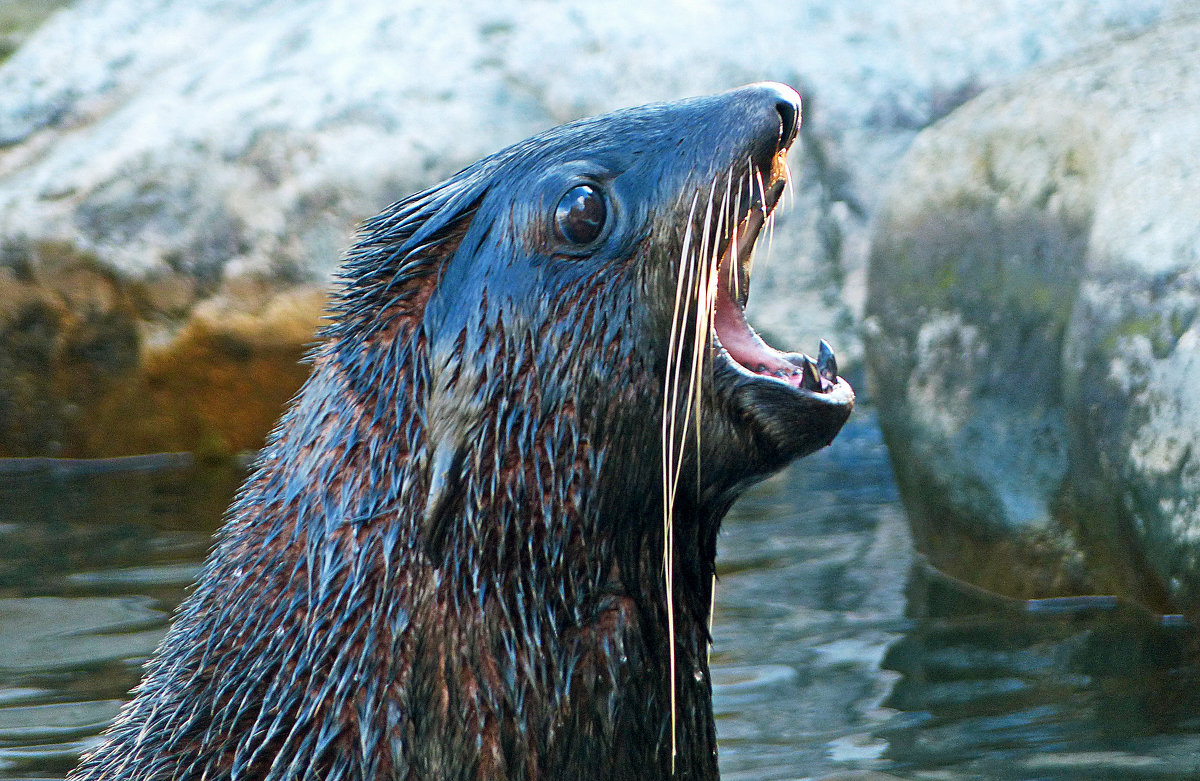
705 307
712 603
703 291
700 334
735 271
770 218
787 178
674 356
696 286
738 271
670 405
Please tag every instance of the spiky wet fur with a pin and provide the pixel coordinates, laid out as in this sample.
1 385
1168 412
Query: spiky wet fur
448 562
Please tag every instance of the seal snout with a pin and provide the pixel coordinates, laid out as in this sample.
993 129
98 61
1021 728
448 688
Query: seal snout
793 402
786 102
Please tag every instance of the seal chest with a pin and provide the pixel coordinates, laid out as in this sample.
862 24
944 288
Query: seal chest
480 543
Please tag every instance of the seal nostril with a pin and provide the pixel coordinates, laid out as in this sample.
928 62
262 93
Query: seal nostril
789 115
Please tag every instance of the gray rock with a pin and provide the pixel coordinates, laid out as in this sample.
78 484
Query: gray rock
18 18
181 147
1031 334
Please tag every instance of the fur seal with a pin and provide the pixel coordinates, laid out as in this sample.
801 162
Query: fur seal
480 544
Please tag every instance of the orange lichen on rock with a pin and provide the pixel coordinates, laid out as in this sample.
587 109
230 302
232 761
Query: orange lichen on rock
220 384
94 365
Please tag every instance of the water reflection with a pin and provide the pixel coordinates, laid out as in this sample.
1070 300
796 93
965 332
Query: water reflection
162 490
834 652
1000 689
94 555
812 566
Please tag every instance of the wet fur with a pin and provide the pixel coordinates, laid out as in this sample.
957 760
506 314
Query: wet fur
448 560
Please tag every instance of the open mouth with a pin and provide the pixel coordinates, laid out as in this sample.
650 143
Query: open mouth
735 340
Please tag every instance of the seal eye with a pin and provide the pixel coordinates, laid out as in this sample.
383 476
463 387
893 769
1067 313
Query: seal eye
580 214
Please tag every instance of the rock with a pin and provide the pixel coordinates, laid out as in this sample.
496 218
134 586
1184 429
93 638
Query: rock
173 152
1031 332
90 364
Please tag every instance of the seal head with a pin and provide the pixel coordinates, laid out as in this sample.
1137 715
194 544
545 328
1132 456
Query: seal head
481 542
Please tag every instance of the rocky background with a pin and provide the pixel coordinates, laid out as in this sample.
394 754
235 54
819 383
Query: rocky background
178 179
1032 327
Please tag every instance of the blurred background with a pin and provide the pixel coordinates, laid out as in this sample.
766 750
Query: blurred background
994 573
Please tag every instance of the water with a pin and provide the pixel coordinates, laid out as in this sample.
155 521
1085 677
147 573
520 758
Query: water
836 651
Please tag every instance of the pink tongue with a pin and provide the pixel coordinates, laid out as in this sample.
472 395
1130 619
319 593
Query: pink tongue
745 346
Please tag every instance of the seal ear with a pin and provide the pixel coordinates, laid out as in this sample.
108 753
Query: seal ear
445 498
453 414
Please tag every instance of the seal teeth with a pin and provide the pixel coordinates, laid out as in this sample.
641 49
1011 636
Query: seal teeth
810 380
826 363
